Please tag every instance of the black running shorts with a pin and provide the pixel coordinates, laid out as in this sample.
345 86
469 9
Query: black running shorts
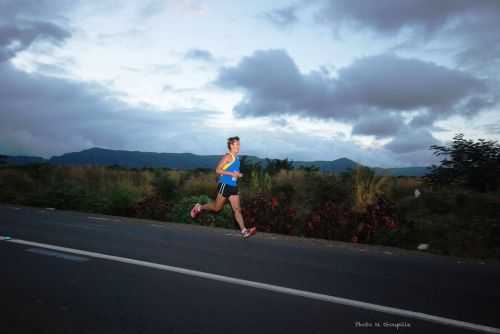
226 190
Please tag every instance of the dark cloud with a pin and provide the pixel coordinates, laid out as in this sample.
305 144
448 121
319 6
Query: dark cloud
469 28
392 16
379 125
86 114
480 44
22 23
273 85
411 140
13 10
18 37
46 115
282 17
391 82
472 26
198 54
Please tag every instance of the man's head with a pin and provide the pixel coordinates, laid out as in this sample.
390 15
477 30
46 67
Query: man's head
233 142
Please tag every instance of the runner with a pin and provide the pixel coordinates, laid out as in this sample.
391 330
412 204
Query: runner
228 170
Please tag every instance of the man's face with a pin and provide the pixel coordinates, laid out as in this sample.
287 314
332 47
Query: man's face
235 146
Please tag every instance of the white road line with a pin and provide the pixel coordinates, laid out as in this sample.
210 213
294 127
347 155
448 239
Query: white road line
270 287
75 225
57 254
104 219
97 218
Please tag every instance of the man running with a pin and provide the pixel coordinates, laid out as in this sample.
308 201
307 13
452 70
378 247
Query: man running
228 170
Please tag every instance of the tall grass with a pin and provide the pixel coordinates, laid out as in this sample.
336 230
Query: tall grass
198 184
86 188
357 206
368 187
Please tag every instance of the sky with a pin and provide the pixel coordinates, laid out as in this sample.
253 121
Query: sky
378 82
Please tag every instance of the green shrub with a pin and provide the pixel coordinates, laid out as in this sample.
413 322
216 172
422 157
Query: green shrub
122 200
198 184
452 219
181 209
164 185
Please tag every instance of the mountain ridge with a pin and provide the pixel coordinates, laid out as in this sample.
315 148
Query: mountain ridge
140 159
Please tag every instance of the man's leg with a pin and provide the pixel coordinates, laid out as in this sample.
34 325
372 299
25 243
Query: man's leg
235 204
215 206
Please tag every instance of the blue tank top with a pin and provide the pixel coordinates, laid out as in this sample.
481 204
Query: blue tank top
233 166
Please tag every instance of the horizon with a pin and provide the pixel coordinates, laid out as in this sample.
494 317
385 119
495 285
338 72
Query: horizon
216 155
324 79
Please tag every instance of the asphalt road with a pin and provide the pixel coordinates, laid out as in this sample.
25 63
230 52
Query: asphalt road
47 291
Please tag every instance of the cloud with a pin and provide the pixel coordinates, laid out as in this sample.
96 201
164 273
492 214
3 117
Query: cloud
282 17
273 85
379 125
151 8
470 26
200 55
164 68
23 23
18 37
86 114
391 17
492 128
465 30
48 10
410 140
89 115
480 47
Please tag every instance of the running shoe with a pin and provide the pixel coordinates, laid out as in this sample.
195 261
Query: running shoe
196 210
249 232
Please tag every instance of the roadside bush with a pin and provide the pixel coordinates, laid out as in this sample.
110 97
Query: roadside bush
271 214
404 186
181 209
122 200
331 221
356 206
199 184
454 222
368 188
164 185
152 207
15 185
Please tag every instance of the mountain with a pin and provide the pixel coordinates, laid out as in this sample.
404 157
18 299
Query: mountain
138 159
23 160
344 164
337 166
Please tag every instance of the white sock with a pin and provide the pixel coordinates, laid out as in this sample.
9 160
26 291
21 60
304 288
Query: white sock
243 231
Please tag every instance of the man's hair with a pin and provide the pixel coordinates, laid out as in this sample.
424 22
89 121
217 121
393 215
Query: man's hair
231 140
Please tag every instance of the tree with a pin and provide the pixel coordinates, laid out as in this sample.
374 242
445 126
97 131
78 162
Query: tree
275 165
471 164
247 166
